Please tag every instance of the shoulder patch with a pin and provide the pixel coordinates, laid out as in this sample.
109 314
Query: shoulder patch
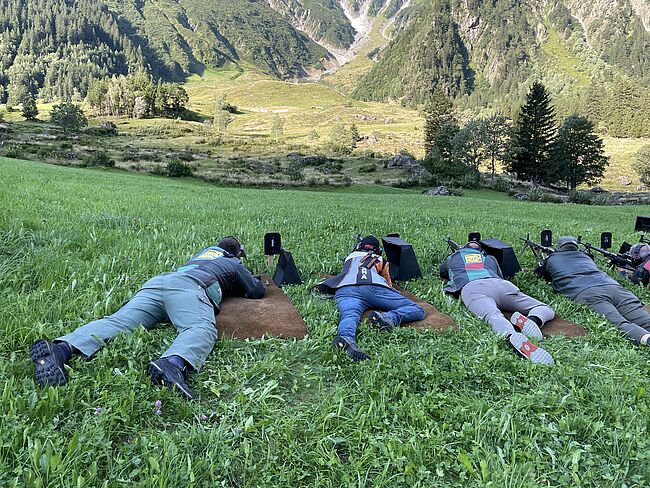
210 254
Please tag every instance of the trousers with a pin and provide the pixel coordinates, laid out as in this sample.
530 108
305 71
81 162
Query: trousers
176 297
352 301
487 298
620 307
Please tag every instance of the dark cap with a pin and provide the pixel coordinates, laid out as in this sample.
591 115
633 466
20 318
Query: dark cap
233 246
370 244
567 243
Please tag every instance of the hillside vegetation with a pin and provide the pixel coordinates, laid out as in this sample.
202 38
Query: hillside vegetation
454 409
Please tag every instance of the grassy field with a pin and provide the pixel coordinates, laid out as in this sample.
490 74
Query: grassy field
309 112
452 409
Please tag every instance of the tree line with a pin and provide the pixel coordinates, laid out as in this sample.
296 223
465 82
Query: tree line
534 147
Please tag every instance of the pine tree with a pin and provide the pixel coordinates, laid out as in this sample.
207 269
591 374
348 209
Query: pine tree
437 113
534 134
578 154
30 111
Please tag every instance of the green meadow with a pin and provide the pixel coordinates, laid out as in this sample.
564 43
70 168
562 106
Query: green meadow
454 409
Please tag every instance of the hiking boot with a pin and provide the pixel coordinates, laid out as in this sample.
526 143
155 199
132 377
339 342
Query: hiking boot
164 372
382 321
527 350
350 347
526 326
49 363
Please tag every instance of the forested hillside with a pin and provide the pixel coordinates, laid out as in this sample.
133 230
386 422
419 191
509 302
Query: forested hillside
53 48
594 57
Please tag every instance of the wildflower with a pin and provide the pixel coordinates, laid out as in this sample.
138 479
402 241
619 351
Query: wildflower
203 418
158 404
98 410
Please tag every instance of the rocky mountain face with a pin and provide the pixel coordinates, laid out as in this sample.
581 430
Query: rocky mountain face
492 47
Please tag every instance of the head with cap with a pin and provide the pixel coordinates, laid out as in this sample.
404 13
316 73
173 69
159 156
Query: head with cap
370 244
567 243
233 246
638 252
473 245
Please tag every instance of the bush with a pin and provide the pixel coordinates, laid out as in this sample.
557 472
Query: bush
177 169
588 198
368 168
470 180
295 171
642 164
99 158
15 152
500 184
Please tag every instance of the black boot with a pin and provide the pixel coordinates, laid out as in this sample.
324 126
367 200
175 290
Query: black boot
350 347
49 363
164 372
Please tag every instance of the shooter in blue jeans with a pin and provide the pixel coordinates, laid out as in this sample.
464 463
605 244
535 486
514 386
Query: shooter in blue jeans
365 284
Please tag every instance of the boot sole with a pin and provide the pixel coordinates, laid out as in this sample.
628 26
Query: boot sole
376 321
158 377
47 371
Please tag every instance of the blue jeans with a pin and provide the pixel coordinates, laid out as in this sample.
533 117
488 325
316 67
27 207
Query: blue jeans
176 297
352 301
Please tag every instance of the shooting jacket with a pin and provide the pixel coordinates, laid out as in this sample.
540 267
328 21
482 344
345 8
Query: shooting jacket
361 268
222 275
572 272
466 265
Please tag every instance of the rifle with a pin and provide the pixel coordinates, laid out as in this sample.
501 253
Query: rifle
538 250
452 245
615 259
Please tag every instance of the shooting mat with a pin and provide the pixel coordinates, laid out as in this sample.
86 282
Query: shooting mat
558 326
271 316
434 320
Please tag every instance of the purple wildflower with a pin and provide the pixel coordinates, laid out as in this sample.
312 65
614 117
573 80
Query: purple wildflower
203 418
98 410
158 412
158 404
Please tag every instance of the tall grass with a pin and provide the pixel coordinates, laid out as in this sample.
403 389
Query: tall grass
429 409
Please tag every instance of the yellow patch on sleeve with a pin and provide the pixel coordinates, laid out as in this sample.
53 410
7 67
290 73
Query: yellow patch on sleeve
210 254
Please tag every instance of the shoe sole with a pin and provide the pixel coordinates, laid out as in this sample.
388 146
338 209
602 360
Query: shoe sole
355 354
46 371
376 321
535 354
157 377
529 329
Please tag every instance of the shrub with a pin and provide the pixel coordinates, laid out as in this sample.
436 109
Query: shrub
15 152
295 171
588 198
500 184
368 168
642 164
99 158
177 169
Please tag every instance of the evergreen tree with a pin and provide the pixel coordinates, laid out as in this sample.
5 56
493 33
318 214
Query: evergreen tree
534 134
469 144
30 111
578 153
437 113
642 164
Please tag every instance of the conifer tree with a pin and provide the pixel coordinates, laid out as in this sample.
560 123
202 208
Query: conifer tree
578 154
437 113
534 134
30 111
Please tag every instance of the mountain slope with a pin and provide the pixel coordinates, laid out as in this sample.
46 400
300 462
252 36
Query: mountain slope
492 48
56 47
